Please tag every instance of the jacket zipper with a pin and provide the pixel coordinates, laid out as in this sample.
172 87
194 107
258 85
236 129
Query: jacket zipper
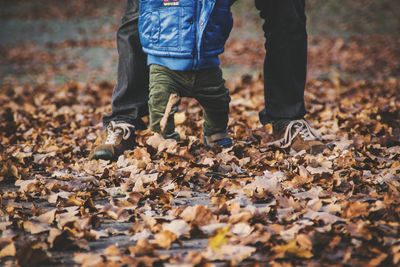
197 37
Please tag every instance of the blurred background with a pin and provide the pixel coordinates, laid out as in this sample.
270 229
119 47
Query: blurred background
56 41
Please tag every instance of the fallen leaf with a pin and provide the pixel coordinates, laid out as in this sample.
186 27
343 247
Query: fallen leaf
8 250
233 253
165 239
220 239
293 248
197 215
242 229
88 259
178 227
47 217
35 227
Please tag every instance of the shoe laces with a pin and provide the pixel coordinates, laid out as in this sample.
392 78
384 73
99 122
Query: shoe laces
293 129
118 130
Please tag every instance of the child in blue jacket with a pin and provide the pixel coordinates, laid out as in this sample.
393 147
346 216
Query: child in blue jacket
183 39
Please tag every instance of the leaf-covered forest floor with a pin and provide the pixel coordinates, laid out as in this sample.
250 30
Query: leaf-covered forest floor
182 204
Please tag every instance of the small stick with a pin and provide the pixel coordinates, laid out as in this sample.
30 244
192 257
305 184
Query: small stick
173 100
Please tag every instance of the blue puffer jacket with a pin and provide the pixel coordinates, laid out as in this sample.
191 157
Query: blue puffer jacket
185 34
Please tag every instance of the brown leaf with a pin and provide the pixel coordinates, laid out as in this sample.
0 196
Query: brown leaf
198 215
32 253
112 250
27 185
88 259
324 216
292 248
142 247
160 144
178 227
8 250
356 209
47 217
232 253
35 227
165 239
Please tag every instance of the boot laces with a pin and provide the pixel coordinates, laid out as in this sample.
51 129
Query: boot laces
293 129
118 131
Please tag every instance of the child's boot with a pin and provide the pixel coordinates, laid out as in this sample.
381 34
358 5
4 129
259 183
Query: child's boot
218 139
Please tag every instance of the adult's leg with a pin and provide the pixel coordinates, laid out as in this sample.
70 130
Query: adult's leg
130 96
285 71
285 65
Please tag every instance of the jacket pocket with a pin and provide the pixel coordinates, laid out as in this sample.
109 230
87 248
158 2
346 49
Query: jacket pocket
149 28
170 29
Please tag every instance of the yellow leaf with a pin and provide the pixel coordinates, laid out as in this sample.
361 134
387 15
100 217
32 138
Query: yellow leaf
220 239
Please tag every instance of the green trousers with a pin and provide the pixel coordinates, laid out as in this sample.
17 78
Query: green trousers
206 86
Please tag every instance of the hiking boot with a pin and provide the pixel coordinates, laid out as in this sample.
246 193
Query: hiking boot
218 139
117 138
297 134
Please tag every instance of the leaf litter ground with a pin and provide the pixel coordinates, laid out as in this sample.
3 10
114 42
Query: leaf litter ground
175 203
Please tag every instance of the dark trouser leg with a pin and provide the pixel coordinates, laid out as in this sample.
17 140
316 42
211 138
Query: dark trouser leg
129 100
285 65
214 97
